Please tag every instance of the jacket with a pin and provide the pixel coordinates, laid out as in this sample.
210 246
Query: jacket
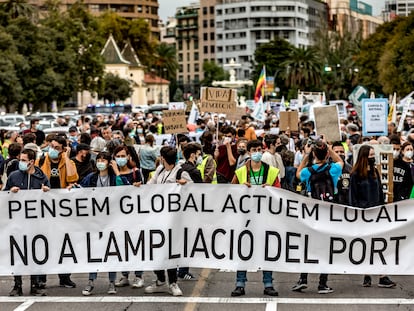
64 162
26 181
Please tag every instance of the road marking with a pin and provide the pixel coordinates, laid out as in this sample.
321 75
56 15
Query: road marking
24 306
198 288
271 306
221 300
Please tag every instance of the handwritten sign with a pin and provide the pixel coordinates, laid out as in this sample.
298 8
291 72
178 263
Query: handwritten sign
327 122
374 115
218 100
288 120
174 121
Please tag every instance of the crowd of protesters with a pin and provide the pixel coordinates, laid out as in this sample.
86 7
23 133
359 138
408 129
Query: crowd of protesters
131 149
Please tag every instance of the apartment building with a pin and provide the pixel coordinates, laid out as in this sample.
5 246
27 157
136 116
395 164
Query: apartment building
394 8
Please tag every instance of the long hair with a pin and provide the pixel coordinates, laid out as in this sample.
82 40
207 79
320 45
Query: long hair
361 166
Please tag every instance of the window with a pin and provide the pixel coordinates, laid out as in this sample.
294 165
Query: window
205 23
212 49
205 11
196 56
211 35
211 22
205 36
205 49
212 10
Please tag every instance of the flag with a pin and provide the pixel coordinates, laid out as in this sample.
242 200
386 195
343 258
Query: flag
261 83
392 114
259 111
192 118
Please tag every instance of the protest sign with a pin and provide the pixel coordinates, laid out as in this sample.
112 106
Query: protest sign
288 120
212 226
374 116
220 100
174 121
327 122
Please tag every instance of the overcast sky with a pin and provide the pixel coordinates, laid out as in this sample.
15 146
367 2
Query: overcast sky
167 7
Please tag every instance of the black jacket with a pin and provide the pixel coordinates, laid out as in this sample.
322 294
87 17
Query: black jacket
26 181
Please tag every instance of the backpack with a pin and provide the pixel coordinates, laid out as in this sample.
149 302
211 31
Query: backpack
321 183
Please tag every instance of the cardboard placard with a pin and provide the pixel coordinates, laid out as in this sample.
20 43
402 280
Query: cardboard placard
174 121
288 120
327 122
374 116
220 100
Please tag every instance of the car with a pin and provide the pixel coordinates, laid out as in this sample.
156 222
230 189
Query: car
10 119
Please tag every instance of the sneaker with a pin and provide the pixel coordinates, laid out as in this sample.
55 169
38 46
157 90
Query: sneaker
36 291
238 291
123 281
111 288
302 284
16 291
175 290
386 282
88 289
187 277
270 291
67 282
137 283
324 289
157 287
367 281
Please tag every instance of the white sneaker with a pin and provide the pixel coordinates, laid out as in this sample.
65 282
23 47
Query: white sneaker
123 281
175 290
88 289
111 288
138 283
157 287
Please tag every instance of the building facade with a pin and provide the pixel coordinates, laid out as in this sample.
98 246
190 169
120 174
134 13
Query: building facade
394 8
145 9
243 25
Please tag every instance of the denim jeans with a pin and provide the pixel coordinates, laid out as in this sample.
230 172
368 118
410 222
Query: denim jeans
241 278
138 274
111 276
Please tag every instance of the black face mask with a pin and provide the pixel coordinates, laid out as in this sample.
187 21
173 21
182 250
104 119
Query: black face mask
342 156
241 151
371 161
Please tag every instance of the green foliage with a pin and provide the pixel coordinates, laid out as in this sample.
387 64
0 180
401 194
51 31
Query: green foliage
213 72
178 96
115 88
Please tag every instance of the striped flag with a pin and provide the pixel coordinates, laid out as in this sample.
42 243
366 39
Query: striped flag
261 83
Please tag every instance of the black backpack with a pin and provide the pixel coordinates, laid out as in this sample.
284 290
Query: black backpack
321 183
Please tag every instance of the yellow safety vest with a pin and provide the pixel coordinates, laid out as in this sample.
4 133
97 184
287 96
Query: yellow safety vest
202 167
272 174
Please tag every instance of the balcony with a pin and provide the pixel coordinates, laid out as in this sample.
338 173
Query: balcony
187 14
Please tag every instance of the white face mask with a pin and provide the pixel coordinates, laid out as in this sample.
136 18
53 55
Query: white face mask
199 160
408 154
395 153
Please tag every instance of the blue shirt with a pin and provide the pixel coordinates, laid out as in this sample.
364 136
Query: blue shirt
335 171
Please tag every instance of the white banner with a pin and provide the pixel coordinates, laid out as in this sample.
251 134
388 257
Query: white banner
212 226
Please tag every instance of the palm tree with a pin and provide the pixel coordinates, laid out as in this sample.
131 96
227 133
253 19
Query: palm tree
303 68
166 59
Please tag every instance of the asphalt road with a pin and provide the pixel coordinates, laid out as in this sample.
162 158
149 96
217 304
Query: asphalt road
212 291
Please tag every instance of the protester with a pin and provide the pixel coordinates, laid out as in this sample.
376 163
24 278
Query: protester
366 191
255 172
403 173
165 174
225 155
320 151
106 175
27 177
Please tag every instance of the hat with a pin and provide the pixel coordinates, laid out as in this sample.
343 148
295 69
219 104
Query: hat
32 146
73 129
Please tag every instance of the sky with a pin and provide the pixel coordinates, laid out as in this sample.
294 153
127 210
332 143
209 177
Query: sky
167 7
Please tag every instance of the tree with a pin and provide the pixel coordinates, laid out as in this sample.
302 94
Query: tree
18 8
115 88
303 69
213 72
166 59
272 55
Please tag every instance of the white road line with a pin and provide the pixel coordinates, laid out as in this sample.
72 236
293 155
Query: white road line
24 306
221 300
271 306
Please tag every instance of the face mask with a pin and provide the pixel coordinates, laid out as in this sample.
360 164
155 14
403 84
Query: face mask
395 153
23 166
226 139
101 166
241 151
408 154
53 153
371 161
121 161
301 137
140 131
38 127
342 156
199 160
132 135
256 156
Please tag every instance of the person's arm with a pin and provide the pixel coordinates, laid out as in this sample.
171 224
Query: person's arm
305 160
230 156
